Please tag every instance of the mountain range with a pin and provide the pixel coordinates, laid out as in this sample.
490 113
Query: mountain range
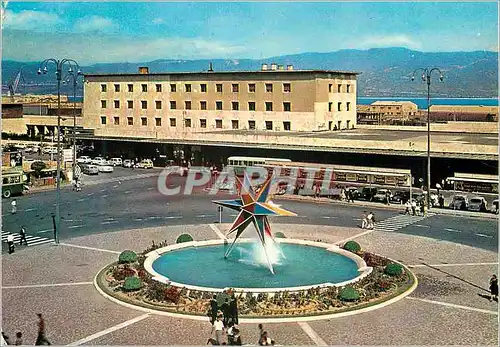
384 72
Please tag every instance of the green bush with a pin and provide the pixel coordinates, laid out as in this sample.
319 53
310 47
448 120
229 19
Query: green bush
280 235
184 238
132 283
352 246
393 270
348 294
127 257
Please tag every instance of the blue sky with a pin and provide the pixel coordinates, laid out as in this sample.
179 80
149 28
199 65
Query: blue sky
100 32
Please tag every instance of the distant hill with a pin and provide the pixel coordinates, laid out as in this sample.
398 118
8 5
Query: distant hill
384 71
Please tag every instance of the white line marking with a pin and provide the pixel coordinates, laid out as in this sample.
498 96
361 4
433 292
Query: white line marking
354 237
75 226
89 194
44 231
41 242
453 230
450 265
48 285
150 188
128 191
73 220
82 199
138 219
312 334
109 222
172 217
204 215
91 248
483 235
29 209
422 226
105 196
102 190
218 232
109 330
327 217
454 305
115 186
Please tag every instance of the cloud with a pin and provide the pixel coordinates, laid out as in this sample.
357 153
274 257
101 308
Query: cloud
390 41
95 24
30 20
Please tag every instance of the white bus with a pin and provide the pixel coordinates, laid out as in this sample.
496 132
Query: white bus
243 162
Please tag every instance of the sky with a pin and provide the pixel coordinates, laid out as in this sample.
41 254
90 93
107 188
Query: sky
107 32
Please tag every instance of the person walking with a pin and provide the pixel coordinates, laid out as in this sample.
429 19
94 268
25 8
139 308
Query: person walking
218 328
10 243
494 288
14 206
226 312
23 236
371 220
19 338
364 220
233 308
41 339
213 309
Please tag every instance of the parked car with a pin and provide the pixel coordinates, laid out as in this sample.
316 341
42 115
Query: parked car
106 168
367 193
354 190
146 164
90 169
494 206
50 150
128 163
382 195
99 161
84 160
400 197
116 161
459 202
477 203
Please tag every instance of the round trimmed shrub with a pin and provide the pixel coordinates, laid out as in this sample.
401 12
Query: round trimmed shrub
184 238
132 283
127 257
393 270
348 294
280 235
352 246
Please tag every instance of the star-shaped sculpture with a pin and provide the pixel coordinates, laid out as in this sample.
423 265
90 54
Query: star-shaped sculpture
253 207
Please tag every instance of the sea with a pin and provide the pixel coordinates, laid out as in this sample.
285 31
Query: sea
422 102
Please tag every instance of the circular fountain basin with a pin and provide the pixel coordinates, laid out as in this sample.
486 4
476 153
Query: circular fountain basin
297 265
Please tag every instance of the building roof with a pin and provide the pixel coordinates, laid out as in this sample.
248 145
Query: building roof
390 102
465 108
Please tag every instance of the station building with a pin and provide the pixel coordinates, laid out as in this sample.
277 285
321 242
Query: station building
168 105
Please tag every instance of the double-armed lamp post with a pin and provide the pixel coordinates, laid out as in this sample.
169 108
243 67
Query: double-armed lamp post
426 77
72 65
72 76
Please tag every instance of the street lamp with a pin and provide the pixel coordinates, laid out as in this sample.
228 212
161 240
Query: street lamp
73 75
42 69
426 77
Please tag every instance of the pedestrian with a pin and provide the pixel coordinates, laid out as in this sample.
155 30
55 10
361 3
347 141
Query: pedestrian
226 311
441 201
5 338
41 339
213 309
19 338
236 337
265 340
23 236
364 220
10 243
14 206
233 308
343 195
230 333
494 288
261 331
387 197
371 220
350 196
218 328
408 207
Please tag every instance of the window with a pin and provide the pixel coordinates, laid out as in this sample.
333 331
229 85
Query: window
340 124
158 122
130 120
144 87
203 123
218 123
173 122
269 106
203 105
251 87
173 88
218 87
187 123
203 88
218 105
287 107
144 121
339 88
235 105
348 106
173 105
287 87
188 88
103 120
348 89
330 106
144 104
234 124
330 88
158 104
339 106
287 126
116 120
158 88
104 88
251 105
103 104
117 88
117 103
236 87
269 125
187 105
130 88
251 124
347 123
130 104
269 87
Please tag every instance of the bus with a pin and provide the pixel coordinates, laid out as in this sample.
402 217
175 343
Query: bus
13 182
240 163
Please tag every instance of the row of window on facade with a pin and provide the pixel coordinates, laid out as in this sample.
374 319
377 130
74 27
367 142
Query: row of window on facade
235 124
235 105
235 88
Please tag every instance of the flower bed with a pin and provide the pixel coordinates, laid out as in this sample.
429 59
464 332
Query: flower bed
377 287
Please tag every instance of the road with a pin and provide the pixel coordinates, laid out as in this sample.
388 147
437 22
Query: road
136 203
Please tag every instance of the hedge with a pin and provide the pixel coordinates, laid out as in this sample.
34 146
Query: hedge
127 257
132 283
352 246
348 294
280 235
184 238
393 270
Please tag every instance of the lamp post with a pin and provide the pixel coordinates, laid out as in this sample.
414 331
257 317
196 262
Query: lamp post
426 77
73 75
42 69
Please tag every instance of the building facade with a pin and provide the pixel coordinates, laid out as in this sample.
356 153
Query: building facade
170 104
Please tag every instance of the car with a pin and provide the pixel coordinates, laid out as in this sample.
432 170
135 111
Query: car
84 160
382 195
50 150
367 193
459 202
99 161
354 191
128 163
494 207
90 169
400 197
106 168
477 203
116 161
146 164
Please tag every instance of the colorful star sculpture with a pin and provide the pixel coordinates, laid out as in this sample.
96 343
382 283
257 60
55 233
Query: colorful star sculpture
253 208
